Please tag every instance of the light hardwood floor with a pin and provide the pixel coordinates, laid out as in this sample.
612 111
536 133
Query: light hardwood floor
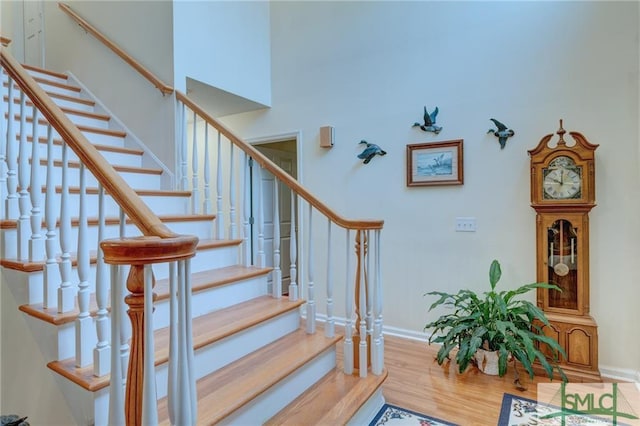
416 382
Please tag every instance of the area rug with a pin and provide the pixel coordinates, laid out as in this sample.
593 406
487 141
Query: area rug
391 415
519 411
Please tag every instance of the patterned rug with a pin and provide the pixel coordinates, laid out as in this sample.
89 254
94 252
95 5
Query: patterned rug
519 411
390 415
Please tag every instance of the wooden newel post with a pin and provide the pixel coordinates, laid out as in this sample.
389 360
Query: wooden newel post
140 252
135 374
361 279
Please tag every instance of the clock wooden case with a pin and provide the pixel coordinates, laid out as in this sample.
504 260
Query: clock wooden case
563 194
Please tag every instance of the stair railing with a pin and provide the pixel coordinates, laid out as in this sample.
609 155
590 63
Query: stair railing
150 243
360 276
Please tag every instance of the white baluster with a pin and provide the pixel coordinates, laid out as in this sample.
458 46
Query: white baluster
24 231
116 390
219 214
246 205
83 322
36 242
368 288
293 251
172 379
194 170
65 291
233 229
51 271
362 305
185 374
276 288
329 327
377 352
311 298
184 181
11 203
102 351
149 396
3 151
206 207
189 332
261 255
125 326
348 326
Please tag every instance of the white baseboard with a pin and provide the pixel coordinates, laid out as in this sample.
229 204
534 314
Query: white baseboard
609 372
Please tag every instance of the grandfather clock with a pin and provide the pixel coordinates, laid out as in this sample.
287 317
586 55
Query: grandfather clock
563 194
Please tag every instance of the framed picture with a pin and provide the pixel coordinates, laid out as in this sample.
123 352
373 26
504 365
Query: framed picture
435 163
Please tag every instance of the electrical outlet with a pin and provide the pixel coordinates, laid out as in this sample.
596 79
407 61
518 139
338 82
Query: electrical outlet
465 224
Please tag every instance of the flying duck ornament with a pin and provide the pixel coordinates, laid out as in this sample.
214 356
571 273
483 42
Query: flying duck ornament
503 133
429 122
370 151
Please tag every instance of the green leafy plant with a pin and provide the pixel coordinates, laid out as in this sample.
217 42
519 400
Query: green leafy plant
494 321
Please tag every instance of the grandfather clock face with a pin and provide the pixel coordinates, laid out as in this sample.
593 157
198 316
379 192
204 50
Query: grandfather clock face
562 179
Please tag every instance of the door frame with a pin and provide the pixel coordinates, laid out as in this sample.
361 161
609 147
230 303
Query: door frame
300 224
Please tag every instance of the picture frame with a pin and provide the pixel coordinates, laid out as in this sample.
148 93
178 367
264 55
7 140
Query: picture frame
435 163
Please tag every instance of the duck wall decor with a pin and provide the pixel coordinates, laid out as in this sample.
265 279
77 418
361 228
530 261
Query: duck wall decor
429 122
503 133
370 151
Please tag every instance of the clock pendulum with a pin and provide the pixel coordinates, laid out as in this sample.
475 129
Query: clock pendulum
563 194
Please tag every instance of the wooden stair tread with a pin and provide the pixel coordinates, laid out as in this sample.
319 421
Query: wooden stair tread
123 169
236 318
113 220
75 99
333 400
45 71
224 391
205 280
81 127
99 147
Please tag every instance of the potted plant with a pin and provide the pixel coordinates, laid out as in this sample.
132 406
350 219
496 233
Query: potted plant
495 321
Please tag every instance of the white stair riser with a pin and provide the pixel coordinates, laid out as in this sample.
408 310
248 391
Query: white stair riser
215 298
135 180
38 74
115 158
80 120
279 396
200 228
369 410
93 137
215 356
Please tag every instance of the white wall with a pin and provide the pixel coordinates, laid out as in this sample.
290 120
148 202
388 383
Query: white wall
224 44
368 68
142 29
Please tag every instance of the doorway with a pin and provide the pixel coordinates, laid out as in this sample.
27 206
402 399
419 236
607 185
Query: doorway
284 154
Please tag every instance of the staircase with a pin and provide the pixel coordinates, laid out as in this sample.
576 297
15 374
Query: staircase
256 358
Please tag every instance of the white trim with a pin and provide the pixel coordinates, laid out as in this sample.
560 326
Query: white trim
609 372
130 137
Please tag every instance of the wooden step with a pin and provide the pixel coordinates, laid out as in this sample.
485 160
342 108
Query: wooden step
88 129
331 401
200 281
67 110
44 71
59 96
223 392
110 148
207 329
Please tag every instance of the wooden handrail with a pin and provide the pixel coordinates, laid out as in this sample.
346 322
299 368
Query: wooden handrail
164 88
139 213
279 173
5 41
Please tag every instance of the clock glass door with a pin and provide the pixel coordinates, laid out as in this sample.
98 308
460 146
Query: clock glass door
563 264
